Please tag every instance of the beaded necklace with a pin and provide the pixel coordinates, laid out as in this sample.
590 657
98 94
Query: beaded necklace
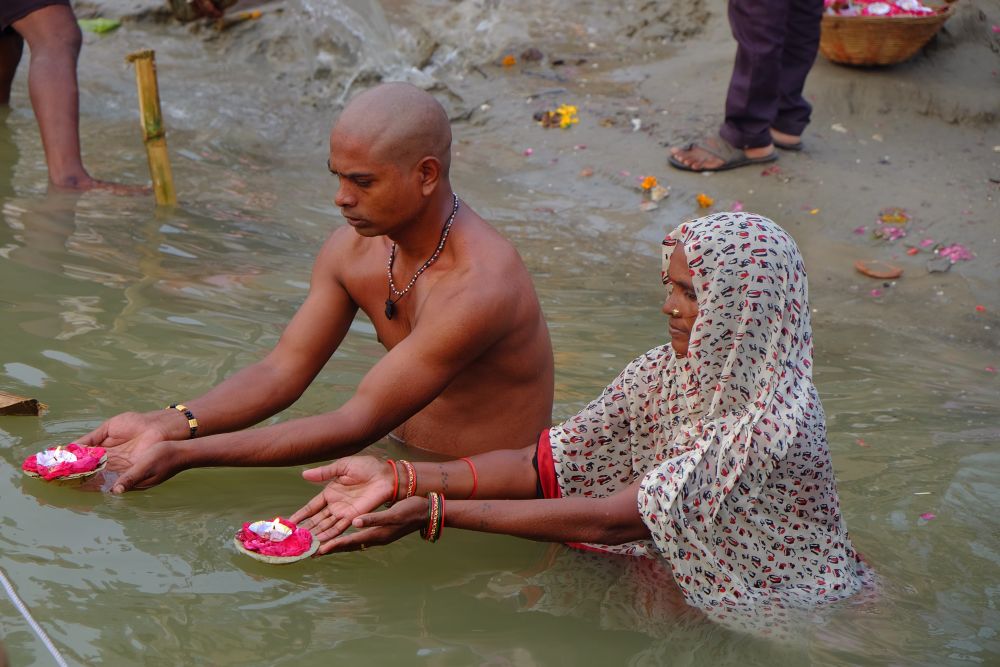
394 294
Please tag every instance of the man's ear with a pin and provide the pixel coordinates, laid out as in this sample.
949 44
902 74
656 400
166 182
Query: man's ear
429 170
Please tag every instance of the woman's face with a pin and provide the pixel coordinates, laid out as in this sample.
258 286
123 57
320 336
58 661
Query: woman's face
681 306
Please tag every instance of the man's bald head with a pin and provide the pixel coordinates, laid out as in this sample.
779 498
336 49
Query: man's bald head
400 123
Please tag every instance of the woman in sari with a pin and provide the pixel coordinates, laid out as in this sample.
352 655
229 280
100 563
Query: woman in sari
709 452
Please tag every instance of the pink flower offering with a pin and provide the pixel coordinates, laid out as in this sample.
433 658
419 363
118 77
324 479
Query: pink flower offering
70 462
276 541
956 252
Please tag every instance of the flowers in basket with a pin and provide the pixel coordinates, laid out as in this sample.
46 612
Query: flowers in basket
877 8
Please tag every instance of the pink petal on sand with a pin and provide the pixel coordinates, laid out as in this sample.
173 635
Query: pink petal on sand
529 151
926 243
927 516
991 369
860 230
736 207
876 293
996 29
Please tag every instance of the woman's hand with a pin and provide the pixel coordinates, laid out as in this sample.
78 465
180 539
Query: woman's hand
356 485
405 517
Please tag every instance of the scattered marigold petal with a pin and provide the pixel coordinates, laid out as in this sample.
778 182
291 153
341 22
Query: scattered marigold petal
704 200
508 61
893 216
813 211
649 182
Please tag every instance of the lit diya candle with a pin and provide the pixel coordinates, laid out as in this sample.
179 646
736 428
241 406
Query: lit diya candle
61 463
277 541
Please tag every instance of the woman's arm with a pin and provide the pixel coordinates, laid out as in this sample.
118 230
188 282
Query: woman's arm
505 473
359 484
614 519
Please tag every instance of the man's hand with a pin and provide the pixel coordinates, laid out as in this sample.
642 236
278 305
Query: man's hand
356 485
156 463
136 445
405 517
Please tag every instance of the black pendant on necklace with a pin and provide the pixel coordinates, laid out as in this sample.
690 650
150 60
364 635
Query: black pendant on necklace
390 309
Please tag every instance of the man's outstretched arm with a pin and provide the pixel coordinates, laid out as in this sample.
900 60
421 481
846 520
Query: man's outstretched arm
454 330
254 393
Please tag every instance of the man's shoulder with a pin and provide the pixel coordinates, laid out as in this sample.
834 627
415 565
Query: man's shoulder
346 245
484 248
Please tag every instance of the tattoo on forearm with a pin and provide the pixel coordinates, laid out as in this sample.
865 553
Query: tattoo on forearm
444 479
484 512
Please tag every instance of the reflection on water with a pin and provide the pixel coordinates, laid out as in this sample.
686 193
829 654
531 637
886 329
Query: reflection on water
109 305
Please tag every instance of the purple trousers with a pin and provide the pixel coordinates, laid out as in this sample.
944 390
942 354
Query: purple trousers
777 41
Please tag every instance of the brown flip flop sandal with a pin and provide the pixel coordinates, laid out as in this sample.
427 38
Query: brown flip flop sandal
731 156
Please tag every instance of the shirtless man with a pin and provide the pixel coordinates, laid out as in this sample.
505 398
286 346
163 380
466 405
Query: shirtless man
469 366
53 36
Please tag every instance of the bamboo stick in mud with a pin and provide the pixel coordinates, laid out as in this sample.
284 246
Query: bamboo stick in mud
154 134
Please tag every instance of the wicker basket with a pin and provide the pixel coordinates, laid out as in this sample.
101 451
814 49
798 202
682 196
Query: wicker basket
879 40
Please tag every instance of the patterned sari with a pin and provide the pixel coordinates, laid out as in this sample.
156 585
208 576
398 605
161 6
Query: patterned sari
729 441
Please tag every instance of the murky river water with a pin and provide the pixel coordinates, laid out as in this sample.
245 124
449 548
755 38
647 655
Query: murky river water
109 305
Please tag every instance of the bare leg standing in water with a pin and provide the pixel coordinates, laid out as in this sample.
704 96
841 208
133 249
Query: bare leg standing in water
54 40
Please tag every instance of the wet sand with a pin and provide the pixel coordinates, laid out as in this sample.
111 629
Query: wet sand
922 135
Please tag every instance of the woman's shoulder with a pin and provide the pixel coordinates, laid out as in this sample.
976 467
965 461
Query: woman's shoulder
647 367
654 358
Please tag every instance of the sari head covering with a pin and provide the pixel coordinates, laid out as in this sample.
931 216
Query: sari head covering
729 441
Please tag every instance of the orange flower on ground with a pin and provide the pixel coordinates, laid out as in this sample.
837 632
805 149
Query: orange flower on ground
649 182
704 200
508 61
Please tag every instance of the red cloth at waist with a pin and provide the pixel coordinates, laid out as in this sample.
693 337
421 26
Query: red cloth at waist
547 467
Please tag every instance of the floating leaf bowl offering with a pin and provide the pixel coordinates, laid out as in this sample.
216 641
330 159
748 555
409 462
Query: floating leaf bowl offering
73 461
277 541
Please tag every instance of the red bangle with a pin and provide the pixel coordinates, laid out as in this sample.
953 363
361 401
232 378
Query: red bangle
475 477
395 482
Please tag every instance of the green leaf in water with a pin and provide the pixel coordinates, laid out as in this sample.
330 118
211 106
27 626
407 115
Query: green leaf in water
99 25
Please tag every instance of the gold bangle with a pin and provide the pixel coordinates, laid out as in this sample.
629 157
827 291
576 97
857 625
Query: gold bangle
411 478
192 422
435 517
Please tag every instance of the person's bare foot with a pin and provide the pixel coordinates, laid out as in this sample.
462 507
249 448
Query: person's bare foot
84 183
786 141
715 154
